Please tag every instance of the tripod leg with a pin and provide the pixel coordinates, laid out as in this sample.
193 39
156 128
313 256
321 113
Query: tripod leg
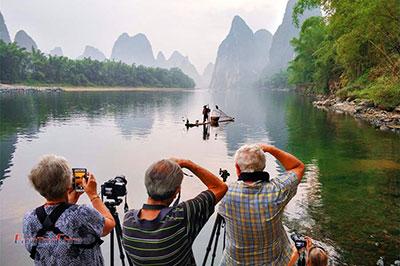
216 225
112 248
119 239
219 217
223 225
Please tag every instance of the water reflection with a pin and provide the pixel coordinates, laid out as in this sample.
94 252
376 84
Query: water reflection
7 148
359 173
257 116
206 132
348 202
299 212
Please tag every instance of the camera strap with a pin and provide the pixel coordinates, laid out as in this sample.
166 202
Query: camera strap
255 176
154 207
177 199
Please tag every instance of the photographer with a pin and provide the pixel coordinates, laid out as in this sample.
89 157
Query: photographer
316 255
253 208
61 232
161 235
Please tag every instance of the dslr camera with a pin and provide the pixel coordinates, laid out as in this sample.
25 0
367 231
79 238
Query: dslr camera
300 242
114 188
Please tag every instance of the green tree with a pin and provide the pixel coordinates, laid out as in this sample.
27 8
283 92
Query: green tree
361 48
314 56
13 63
16 65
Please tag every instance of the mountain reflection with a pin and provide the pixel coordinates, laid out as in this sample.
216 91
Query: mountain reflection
258 116
22 115
348 200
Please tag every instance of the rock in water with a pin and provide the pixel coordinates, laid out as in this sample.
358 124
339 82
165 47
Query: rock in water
92 53
4 35
24 40
281 51
56 52
133 50
240 57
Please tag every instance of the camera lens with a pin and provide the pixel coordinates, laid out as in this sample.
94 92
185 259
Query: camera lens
294 237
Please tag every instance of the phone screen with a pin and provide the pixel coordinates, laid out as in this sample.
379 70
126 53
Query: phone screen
78 175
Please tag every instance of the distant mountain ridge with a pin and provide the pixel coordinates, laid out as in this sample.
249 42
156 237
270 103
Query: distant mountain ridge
24 40
161 61
92 53
207 75
241 56
133 50
4 35
56 52
183 63
263 39
281 51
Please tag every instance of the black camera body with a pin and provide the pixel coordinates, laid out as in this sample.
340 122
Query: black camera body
224 174
114 188
300 242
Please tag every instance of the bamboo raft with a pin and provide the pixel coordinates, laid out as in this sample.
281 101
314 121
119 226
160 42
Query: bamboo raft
229 119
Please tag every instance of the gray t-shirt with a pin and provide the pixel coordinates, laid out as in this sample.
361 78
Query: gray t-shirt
80 223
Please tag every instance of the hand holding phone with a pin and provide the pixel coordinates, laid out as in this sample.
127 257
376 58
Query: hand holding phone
90 185
78 175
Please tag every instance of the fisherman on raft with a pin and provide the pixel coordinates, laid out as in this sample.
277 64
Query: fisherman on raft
206 111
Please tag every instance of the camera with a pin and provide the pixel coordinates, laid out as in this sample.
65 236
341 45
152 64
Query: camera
300 242
114 188
224 174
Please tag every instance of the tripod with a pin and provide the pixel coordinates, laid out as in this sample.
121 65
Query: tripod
113 210
302 259
216 231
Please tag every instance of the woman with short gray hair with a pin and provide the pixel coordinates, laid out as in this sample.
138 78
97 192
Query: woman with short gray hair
73 230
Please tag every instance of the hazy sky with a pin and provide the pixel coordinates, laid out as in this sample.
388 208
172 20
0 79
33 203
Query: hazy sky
193 27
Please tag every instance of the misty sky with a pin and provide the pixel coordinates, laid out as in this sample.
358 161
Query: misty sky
193 27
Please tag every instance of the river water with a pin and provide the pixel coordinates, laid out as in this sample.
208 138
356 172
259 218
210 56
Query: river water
348 201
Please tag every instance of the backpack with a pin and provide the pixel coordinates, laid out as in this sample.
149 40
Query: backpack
48 224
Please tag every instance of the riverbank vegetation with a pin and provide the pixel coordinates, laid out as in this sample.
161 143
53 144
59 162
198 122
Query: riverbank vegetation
19 66
353 51
277 81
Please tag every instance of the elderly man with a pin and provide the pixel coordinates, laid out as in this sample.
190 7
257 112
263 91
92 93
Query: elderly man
253 208
161 235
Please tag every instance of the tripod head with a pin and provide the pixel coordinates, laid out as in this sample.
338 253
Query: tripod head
112 192
224 174
111 205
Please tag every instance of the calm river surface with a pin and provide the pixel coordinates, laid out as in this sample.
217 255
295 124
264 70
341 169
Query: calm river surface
348 201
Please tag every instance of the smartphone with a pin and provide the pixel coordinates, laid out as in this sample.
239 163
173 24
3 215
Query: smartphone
78 174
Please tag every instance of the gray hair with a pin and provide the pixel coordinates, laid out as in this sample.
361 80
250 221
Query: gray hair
162 179
51 177
250 158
